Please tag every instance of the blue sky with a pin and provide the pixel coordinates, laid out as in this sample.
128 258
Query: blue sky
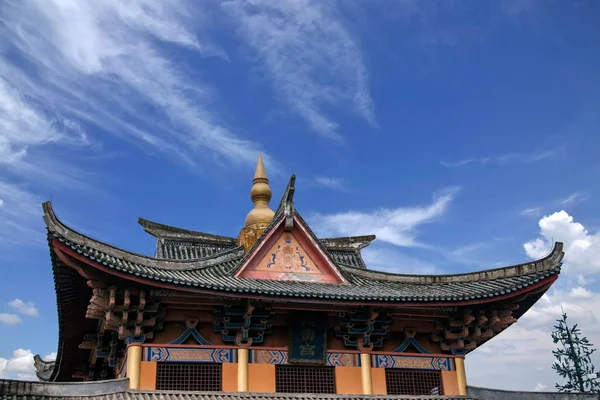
465 134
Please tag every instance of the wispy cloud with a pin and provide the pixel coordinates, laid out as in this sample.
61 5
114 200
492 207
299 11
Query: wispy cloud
576 197
477 254
398 226
391 260
331 183
24 307
313 60
533 211
103 64
505 159
71 68
20 221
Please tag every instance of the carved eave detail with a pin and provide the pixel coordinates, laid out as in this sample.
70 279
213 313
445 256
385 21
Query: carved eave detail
364 329
244 325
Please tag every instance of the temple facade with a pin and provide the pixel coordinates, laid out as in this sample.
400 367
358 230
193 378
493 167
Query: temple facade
274 310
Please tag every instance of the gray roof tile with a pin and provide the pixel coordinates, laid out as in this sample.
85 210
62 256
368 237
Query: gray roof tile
117 390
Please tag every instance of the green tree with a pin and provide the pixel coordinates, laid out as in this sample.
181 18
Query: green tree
573 360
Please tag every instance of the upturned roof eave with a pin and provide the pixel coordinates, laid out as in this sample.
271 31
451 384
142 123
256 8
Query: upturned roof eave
551 261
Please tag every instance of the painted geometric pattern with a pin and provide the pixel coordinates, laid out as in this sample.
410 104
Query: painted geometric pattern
281 357
388 361
178 354
288 256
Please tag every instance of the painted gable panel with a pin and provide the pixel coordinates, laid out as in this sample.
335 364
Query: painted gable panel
291 256
287 255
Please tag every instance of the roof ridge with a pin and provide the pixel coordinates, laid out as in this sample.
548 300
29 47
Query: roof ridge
164 231
354 243
549 262
60 229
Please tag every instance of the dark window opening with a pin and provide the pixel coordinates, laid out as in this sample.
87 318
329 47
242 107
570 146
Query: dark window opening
413 382
188 376
304 379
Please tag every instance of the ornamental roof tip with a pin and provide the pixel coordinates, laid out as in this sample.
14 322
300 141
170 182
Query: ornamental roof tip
43 368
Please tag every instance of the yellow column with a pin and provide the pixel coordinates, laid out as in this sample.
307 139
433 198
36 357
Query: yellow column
242 359
461 377
365 372
134 361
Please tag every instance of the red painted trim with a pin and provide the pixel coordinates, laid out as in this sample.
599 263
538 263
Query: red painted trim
315 247
192 289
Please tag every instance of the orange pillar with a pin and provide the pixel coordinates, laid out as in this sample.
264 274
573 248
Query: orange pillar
365 372
461 376
242 360
134 361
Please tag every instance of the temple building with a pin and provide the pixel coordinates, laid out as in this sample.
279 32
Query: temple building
275 310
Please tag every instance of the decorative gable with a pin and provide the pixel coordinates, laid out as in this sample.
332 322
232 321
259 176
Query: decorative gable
290 253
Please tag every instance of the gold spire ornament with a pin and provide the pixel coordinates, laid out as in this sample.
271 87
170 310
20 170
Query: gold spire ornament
261 215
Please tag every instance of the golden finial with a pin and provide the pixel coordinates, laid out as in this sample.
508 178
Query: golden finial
261 195
261 215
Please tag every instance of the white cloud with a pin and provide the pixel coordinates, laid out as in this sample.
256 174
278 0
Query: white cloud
313 60
10 319
581 292
24 307
331 183
505 159
523 353
397 226
20 365
539 387
582 248
576 197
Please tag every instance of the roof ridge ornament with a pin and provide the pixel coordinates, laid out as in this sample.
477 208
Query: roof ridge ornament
261 215
261 195
289 204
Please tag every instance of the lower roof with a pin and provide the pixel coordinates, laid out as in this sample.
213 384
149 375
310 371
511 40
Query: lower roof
117 390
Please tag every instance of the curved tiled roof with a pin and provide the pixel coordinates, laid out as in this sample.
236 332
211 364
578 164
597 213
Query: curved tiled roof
117 390
216 273
174 243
